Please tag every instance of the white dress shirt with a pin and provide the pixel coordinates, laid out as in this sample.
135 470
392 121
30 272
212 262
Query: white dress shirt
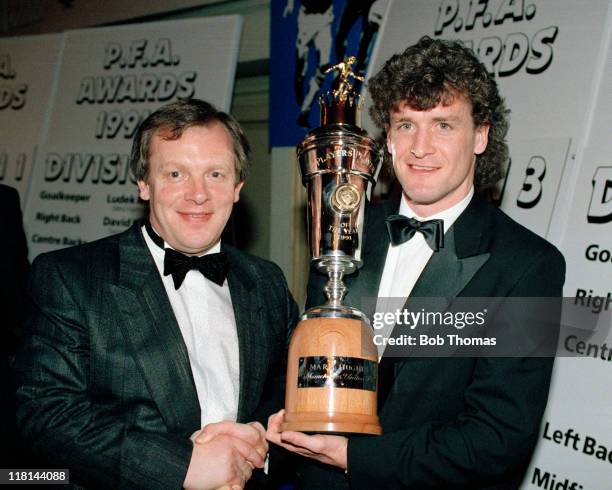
205 317
405 263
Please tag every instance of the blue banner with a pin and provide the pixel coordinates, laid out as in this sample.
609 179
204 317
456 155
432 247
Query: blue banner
308 37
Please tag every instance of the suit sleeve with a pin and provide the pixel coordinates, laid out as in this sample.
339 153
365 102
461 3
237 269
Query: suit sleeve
60 417
491 441
285 317
280 465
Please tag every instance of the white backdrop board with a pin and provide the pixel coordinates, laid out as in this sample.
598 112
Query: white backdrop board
580 403
553 62
27 70
109 80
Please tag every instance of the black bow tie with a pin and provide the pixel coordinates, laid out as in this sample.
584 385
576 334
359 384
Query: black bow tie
213 266
401 229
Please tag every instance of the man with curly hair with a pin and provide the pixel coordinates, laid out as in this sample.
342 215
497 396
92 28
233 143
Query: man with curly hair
454 422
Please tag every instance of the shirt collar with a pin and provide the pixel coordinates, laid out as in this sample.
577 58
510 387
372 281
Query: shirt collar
449 216
451 213
151 234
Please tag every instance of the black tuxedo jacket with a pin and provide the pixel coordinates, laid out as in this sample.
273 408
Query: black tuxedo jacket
454 422
105 384
13 276
13 267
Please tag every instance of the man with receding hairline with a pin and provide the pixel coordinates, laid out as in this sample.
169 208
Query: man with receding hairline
153 356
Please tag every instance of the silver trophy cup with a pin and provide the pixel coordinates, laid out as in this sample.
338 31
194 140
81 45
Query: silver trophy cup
333 362
339 163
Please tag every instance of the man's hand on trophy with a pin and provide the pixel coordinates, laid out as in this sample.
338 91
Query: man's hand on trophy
324 448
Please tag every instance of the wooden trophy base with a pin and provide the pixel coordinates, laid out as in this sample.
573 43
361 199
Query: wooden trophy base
332 378
338 423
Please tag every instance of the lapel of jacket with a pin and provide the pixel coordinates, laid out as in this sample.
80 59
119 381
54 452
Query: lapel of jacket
465 251
251 332
363 286
153 334
449 270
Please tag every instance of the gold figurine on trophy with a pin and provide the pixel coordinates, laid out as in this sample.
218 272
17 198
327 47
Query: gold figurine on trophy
344 87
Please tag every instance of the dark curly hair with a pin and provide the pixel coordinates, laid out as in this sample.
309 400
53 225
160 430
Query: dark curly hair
433 71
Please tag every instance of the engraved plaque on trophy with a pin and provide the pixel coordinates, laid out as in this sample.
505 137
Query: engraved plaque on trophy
333 362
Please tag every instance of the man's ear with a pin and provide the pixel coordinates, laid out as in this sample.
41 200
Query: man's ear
387 134
237 190
482 138
143 190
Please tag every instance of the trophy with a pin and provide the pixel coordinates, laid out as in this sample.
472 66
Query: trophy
333 362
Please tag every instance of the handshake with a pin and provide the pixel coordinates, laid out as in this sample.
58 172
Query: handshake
225 455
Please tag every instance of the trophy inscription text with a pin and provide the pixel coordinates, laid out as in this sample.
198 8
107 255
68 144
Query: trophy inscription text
337 371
